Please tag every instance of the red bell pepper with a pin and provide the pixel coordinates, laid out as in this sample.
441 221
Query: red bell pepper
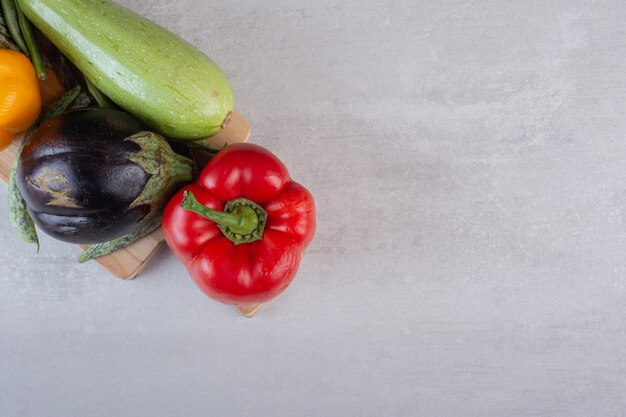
242 227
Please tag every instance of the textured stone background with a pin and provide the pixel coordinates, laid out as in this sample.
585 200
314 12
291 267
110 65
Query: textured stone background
468 164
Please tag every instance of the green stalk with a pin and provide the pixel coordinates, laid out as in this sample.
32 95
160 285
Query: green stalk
242 220
31 44
229 220
12 20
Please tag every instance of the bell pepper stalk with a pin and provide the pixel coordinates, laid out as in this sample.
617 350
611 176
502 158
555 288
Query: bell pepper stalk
242 227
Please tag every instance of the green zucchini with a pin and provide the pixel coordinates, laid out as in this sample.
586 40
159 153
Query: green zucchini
145 69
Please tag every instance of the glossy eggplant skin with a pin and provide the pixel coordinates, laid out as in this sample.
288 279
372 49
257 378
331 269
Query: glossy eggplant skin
77 179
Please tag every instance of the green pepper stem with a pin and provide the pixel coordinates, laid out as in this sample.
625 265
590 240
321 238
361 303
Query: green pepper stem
242 220
229 220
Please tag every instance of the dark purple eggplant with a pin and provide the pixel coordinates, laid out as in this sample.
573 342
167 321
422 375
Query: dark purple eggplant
92 175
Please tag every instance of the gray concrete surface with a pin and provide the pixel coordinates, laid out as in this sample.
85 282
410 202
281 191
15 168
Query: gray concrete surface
468 164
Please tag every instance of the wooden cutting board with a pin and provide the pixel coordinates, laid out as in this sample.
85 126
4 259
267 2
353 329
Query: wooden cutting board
128 262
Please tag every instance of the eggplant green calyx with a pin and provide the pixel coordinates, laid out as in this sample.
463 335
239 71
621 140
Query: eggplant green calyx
242 220
166 168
